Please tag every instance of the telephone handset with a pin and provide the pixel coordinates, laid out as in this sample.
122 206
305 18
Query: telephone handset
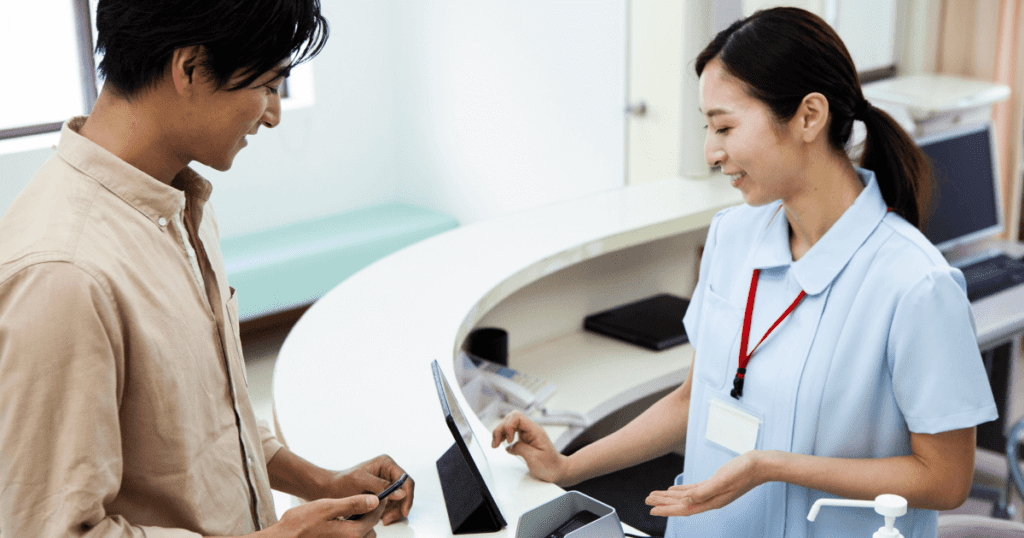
522 390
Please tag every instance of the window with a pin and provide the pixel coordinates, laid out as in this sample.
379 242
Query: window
50 48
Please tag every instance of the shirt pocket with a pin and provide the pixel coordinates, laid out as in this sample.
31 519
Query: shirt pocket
234 341
719 334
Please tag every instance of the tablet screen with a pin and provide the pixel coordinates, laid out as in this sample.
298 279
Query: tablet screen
460 426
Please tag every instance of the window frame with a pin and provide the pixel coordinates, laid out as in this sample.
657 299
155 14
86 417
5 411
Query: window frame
296 93
82 14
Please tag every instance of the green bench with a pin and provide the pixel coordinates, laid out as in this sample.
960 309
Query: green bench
291 266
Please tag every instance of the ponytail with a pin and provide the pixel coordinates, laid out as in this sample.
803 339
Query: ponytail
784 53
900 167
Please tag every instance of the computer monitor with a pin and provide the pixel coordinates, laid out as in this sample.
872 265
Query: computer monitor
965 204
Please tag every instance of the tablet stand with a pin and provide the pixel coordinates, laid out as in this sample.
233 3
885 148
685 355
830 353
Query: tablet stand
468 513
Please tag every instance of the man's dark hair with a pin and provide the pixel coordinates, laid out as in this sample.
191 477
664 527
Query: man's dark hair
138 38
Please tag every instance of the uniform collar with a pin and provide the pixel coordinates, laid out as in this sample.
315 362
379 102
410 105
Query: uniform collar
823 262
151 197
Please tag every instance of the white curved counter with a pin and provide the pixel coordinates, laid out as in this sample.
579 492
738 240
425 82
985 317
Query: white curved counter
353 377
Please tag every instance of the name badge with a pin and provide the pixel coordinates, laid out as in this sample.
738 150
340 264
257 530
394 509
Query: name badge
731 427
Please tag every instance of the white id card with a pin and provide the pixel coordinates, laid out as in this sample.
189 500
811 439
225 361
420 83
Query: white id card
731 427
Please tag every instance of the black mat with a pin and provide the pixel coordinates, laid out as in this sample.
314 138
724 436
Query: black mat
626 490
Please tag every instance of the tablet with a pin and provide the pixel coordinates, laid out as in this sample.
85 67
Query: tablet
464 473
654 323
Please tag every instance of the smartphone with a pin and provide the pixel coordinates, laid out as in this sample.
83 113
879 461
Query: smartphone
384 494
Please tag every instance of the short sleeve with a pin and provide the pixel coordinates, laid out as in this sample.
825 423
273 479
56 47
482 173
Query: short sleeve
939 380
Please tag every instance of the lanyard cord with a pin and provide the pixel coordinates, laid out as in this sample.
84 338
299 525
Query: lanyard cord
744 357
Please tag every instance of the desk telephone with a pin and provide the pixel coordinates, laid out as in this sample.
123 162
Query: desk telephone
522 390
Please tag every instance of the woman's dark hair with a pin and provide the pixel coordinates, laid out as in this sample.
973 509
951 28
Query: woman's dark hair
783 54
138 37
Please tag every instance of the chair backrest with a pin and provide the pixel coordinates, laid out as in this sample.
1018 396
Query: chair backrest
1012 457
969 526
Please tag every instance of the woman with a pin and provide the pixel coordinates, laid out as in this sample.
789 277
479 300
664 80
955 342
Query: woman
869 378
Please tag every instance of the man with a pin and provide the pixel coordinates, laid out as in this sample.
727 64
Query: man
123 402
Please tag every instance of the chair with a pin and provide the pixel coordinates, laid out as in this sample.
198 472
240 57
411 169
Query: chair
997 475
969 526
1014 477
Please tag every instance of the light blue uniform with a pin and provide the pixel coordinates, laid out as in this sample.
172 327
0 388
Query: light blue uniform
883 344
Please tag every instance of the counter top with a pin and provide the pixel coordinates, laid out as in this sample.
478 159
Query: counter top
353 377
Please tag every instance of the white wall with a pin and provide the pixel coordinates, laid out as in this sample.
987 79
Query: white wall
335 156
473 108
867 27
504 106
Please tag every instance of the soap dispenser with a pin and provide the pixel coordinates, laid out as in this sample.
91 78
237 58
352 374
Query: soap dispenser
889 506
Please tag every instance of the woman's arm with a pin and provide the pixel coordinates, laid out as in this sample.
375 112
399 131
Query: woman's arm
937 475
656 432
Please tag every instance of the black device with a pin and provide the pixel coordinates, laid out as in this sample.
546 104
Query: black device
655 322
384 494
966 205
577 521
489 344
463 470
965 201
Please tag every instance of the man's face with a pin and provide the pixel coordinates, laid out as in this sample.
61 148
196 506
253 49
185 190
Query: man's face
219 120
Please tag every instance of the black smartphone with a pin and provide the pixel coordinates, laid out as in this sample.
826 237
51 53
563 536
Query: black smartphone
577 521
383 495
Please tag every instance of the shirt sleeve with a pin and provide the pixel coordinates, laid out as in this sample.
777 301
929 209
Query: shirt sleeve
62 373
269 441
939 379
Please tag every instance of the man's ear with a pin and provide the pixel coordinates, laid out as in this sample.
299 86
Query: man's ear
184 62
811 118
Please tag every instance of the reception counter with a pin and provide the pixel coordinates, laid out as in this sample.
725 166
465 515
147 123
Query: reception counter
353 378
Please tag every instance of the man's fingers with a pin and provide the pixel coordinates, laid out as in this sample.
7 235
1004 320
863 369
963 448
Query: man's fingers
408 490
349 506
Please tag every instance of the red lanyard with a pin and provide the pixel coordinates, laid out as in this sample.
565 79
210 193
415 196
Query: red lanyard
741 371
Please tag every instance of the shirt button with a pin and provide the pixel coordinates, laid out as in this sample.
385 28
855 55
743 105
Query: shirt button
161 221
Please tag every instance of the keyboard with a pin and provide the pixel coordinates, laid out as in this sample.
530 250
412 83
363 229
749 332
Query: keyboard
992 275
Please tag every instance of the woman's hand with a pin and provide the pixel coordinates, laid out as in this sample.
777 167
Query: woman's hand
732 480
534 446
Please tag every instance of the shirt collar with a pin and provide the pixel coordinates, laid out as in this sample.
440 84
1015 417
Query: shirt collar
823 262
149 196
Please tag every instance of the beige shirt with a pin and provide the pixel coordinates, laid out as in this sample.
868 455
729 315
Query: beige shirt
124 409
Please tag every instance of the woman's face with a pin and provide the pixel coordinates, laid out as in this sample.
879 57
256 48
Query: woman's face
742 138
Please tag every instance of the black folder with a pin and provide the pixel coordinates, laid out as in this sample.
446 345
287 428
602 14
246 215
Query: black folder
655 323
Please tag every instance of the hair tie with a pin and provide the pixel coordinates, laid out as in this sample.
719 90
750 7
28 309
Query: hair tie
861 110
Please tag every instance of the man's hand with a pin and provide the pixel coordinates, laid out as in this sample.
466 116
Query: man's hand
374 476
321 519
